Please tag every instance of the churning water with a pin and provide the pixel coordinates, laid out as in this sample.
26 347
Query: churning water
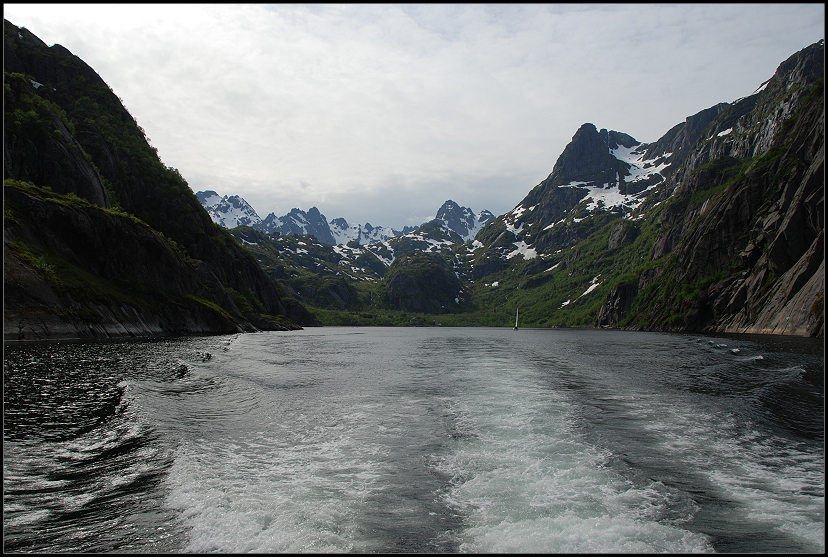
426 440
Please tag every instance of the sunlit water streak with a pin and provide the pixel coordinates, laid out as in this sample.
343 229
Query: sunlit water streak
427 440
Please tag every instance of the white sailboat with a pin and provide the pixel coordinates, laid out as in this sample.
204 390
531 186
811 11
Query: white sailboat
517 310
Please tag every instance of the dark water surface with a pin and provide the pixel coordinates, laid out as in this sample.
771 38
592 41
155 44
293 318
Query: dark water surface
406 439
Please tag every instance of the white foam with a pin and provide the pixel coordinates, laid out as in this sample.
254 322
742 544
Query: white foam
529 485
266 495
570 533
745 466
522 472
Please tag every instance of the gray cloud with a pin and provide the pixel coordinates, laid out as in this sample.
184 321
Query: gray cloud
380 113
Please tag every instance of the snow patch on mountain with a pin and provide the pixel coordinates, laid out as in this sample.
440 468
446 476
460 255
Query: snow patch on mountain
557 222
609 195
524 249
761 87
593 285
514 229
640 167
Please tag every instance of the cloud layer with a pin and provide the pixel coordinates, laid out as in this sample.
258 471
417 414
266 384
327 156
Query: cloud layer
380 113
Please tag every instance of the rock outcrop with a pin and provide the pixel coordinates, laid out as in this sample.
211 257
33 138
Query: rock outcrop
422 283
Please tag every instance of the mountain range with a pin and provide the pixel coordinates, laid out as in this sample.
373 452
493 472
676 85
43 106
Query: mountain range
232 211
717 226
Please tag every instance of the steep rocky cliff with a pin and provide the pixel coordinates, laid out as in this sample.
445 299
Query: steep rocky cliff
70 278
716 226
741 244
85 193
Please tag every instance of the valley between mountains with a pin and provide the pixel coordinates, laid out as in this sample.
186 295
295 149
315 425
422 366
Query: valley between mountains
717 226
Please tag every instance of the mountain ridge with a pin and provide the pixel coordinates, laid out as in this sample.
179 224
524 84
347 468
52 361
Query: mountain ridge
232 211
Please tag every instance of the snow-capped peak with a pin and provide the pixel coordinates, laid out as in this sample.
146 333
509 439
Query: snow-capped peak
228 211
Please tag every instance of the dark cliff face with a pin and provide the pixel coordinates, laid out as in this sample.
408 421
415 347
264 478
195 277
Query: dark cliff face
67 133
39 148
587 158
70 278
741 246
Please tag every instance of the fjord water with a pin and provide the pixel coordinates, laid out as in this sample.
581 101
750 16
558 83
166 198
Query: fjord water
408 439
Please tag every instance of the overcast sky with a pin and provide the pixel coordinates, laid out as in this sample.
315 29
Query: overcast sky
380 113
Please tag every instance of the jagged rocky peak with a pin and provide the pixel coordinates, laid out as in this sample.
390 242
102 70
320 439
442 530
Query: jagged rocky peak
460 219
607 159
609 170
339 222
463 220
450 208
617 139
589 157
232 211
270 224
312 222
